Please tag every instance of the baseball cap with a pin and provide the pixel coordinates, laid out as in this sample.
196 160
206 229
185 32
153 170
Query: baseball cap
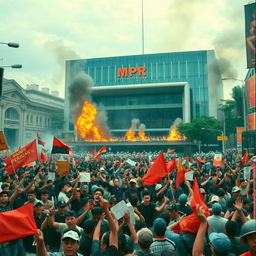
72 235
235 189
183 198
214 199
133 181
159 225
145 236
202 191
36 202
220 242
85 187
158 186
216 208
94 187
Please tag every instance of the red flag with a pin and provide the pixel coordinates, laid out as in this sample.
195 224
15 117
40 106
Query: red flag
102 150
41 142
191 223
17 223
186 158
97 158
60 147
94 152
217 160
200 160
180 176
244 160
23 156
43 158
156 172
171 165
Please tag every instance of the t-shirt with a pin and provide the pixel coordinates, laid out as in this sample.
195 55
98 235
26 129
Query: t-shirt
247 254
148 212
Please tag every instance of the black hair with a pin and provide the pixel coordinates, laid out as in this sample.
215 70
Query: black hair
134 200
70 213
99 189
31 192
139 225
97 210
89 226
231 228
44 191
160 197
145 193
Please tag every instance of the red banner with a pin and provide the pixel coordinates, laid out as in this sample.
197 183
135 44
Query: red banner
251 121
23 156
251 91
239 131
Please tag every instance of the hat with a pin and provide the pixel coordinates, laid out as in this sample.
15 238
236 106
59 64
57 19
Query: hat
145 236
220 242
94 187
36 202
159 225
172 207
216 208
157 187
72 235
61 204
85 188
202 191
214 199
183 198
133 181
235 189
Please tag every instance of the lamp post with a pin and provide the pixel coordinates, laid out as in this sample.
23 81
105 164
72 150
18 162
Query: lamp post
222 134
243 97
13 45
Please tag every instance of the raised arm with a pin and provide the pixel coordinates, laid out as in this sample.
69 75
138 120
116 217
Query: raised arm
40 246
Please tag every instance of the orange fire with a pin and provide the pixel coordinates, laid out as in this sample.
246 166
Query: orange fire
130 135
142 137
86 127
174 135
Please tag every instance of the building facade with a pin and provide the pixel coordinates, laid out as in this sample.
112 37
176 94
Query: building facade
154 88
24 113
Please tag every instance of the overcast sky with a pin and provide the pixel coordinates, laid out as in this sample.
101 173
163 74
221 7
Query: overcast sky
52 31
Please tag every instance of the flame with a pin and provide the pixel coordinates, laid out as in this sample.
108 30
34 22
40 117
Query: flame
174 135
86 127
142 137
130 135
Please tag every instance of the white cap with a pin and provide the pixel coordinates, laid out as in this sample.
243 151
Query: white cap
72 235
158 186
215 199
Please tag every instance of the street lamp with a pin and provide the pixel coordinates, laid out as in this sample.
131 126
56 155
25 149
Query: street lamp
222 134
243 96
13 45
13 66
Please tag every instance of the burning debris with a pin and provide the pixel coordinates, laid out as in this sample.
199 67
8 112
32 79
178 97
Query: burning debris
130 135
174 134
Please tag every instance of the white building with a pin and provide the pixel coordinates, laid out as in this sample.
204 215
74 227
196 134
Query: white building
23 113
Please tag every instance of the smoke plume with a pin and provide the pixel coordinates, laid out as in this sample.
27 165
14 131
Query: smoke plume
142 128
61 52
176 122
135 122
80 91
101 120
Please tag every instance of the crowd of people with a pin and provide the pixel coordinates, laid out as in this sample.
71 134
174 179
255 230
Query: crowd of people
76 218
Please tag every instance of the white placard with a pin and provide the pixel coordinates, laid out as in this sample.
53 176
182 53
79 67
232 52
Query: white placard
119 209
130 162
1 186
132 216
247 172
189 176
51 176
85 176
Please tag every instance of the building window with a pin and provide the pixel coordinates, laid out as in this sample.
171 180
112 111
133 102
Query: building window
11 114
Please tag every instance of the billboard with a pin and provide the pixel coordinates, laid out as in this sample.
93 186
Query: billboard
250 34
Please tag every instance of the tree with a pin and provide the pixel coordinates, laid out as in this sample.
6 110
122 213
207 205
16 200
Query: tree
233 110
203 129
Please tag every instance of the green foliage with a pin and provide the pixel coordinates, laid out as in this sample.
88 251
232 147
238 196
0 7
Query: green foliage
204 129
233 110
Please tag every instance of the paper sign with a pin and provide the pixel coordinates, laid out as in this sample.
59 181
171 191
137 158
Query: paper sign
189 176
119 209
3 144
130 162
247 172
51 176
62 167
85 176
132 216
1 186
